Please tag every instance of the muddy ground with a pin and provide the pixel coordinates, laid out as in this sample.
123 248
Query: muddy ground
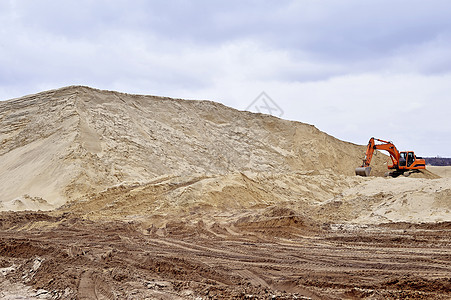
66 257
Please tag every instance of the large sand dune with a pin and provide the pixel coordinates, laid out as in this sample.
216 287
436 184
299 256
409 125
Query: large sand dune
92 151
59 145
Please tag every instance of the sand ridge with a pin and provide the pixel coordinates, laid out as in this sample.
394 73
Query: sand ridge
94 151
63 144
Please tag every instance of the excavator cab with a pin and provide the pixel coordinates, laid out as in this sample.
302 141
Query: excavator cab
402 159
410 158
409 161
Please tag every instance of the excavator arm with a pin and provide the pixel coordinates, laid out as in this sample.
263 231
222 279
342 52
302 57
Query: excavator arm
391 149
369 153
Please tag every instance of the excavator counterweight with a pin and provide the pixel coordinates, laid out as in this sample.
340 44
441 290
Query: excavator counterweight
401 161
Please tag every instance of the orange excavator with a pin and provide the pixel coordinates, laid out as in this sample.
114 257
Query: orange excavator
401 161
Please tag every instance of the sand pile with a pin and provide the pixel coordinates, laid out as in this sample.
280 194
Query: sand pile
106 154
383 200
59 145
228 195
321 196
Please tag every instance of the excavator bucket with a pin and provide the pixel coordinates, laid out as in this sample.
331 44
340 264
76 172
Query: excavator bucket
363 171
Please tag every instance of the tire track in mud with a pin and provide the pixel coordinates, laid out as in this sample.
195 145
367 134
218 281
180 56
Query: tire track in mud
91 286
107 261
325 256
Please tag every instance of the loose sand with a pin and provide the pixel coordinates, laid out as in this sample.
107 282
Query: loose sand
444 171
59 145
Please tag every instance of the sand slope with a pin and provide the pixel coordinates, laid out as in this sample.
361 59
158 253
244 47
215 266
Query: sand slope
318 196
60 145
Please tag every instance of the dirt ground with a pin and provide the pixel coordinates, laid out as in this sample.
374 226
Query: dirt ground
65 257
442 171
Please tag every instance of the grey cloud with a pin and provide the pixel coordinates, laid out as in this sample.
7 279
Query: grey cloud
348 32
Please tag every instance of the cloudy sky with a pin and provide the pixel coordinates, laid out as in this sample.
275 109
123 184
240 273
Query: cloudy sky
352 68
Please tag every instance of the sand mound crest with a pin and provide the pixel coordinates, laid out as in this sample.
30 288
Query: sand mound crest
63 144
109 155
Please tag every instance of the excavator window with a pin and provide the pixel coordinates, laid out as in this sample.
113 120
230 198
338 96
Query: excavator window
402 159
410 159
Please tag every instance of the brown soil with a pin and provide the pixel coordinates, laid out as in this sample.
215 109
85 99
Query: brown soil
288 257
